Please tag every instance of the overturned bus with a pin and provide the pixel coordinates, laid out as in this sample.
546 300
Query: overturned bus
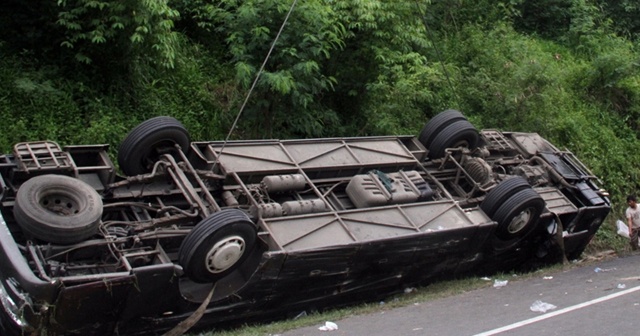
257 229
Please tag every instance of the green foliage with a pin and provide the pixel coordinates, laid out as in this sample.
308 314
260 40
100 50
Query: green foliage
386 88
624 16
567 20
452 15
137 29
288 93
505 82
38 104
35 105
195 93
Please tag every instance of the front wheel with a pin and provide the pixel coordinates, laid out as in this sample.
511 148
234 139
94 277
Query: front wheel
217 246
144 145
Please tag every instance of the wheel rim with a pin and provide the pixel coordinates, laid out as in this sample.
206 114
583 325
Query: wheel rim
60 204
225 254
520 221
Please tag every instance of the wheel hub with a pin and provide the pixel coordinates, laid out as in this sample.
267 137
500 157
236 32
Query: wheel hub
225 254
60 204
520 221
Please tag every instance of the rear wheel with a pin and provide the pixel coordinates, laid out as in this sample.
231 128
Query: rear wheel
436 124
519 215
217 246
144 145
460 133
498 195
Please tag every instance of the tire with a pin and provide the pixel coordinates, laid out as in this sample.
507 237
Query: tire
519 215
145 143
217 246
58 209
460 133
436 124
498 195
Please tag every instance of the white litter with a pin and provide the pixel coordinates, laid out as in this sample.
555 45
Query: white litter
500 283
548 278
542 307
622 286
328 326
623 229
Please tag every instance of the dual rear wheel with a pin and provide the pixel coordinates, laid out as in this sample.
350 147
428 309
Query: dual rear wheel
448 129
516 207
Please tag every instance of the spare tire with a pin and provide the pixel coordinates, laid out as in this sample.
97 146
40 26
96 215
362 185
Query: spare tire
58 209
142 147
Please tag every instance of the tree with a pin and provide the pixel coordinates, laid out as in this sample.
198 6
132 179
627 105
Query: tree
129 31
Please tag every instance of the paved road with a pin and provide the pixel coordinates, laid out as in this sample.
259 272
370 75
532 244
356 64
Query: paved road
597 299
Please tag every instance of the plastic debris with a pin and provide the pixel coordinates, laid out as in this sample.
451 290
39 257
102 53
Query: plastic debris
410 290
623 229
542 307
485 278
328 326
598 269
622 286
500 283
548 277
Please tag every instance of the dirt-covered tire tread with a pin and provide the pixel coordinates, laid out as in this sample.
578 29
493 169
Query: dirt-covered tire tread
58 209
